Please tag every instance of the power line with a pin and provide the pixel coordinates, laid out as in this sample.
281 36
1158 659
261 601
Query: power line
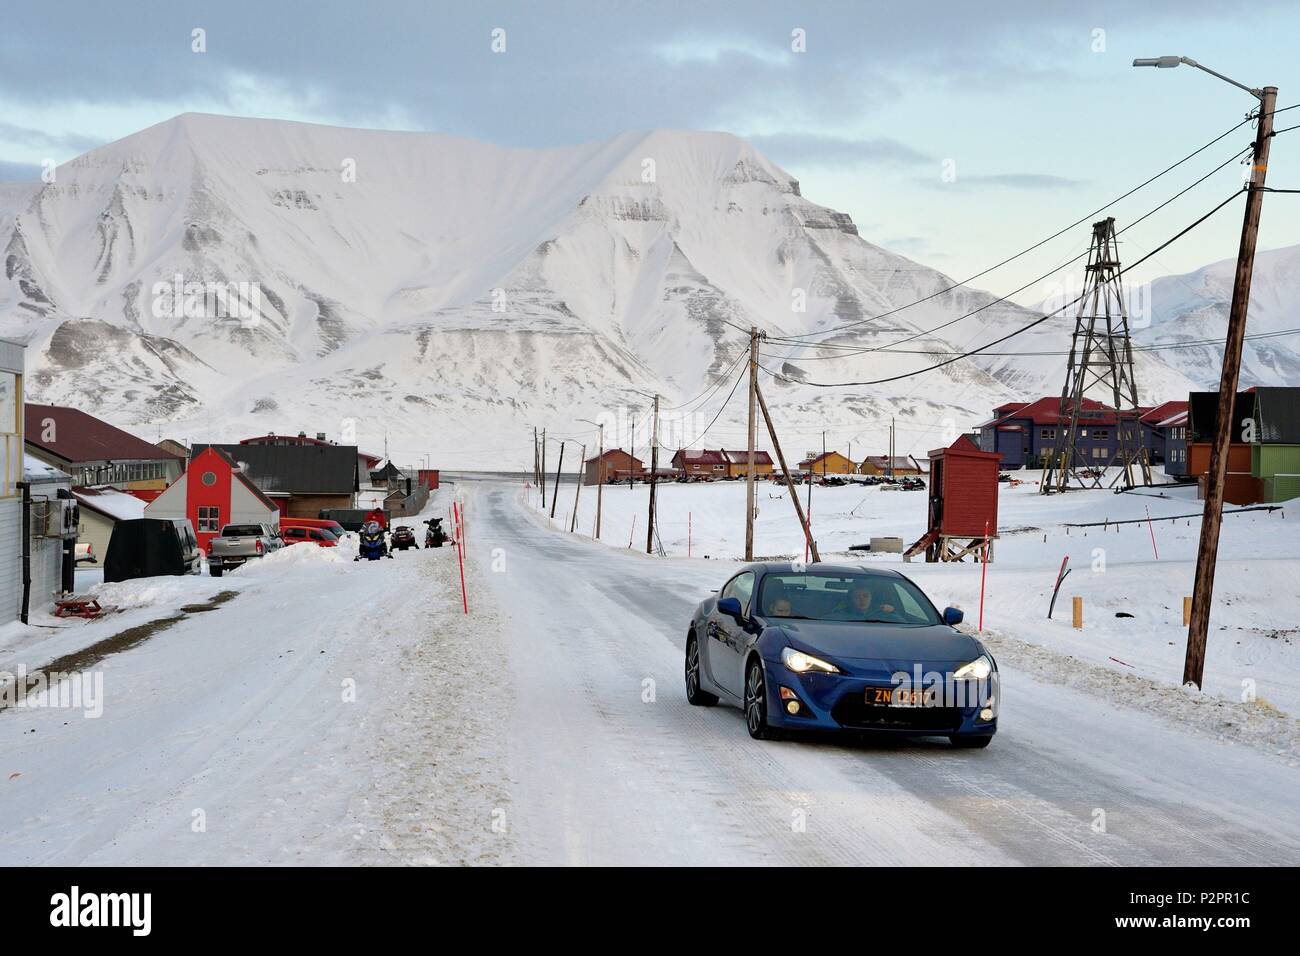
859 350
1015 332
719 414
1038 244
722 380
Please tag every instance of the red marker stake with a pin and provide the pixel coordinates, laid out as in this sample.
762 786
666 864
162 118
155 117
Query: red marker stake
688 534
460 559
1152 528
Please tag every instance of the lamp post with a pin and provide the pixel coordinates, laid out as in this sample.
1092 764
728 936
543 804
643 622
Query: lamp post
1207 553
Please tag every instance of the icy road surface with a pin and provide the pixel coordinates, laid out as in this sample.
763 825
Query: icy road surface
613 766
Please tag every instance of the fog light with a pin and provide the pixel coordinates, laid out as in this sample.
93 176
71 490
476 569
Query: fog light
792 707
986 713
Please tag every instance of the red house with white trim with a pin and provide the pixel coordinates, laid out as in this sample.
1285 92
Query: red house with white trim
213 493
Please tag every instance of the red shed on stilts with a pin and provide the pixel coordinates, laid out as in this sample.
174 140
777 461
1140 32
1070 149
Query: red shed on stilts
963 503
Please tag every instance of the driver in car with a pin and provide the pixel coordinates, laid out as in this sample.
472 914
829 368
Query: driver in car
861 605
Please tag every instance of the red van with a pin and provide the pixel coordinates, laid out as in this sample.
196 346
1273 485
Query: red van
321 537
324 523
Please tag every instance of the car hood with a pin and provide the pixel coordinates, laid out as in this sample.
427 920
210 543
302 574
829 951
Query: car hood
851 641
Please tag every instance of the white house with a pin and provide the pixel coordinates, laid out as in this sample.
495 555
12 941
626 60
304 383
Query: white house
11 496
101 509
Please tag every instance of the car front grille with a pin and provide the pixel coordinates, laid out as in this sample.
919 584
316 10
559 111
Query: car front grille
853 711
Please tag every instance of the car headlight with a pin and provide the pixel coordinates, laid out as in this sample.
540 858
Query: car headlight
977 669
802 663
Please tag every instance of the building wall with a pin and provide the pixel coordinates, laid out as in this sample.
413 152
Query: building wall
616 463
46 553
742 468
235 504
1267 461
833 464
1198 459
11 571
95 529
310 506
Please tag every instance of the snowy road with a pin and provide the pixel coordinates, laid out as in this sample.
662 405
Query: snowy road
610 765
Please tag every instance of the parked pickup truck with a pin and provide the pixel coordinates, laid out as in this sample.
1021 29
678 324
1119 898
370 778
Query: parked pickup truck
239 543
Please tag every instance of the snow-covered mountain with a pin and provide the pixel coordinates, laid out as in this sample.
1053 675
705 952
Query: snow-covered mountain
442 294
1194 308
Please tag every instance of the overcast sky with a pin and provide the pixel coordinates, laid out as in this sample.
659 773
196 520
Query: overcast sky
1032 105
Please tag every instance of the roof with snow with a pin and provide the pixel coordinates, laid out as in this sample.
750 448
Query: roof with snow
36 470
900 461
742 457
109 502
807 462
700 456
1165 410
76 437
1047 411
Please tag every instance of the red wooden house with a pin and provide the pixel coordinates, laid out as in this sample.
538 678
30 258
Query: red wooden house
213 493
963 503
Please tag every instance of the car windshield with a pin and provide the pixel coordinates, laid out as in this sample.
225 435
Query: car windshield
865 598
241 531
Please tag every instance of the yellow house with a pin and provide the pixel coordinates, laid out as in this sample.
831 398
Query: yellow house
827 463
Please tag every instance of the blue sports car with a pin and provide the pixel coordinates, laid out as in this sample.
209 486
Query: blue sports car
835 648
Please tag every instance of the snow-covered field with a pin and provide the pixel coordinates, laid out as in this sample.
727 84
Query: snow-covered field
1254 629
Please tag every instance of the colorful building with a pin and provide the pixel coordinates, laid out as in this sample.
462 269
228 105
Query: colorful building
213 493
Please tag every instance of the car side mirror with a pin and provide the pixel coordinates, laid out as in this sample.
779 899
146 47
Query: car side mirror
731 606
953 616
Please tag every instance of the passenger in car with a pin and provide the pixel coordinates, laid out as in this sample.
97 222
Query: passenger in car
861 605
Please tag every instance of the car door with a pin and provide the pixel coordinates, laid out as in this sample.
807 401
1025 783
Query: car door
727 635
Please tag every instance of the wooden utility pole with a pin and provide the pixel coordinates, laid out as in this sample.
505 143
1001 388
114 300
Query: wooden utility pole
654 467
543 481
555 489
1207 553
582 459
600 478
789 482
753 424
537 462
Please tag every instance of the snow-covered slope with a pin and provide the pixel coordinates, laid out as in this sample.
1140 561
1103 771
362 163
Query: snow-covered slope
1194 307
443 293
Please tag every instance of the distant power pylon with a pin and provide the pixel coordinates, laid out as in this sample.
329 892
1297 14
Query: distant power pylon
1101 360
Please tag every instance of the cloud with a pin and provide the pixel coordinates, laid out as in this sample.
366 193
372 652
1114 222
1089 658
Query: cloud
1026 181
19 172
817 148
40 139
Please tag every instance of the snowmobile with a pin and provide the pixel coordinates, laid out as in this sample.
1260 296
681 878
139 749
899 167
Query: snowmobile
434 537
372 546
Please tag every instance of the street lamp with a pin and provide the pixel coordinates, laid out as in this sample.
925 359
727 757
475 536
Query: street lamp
600 470
1216 477
1169 62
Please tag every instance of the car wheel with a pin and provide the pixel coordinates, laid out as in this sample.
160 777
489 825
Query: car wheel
971 743
694 695
756 704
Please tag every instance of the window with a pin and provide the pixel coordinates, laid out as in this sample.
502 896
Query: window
740 587
1100 433
719 467
209 518
11 390
1048 434
1099 453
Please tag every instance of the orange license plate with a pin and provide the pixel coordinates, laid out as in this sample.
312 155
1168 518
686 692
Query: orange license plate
895 697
